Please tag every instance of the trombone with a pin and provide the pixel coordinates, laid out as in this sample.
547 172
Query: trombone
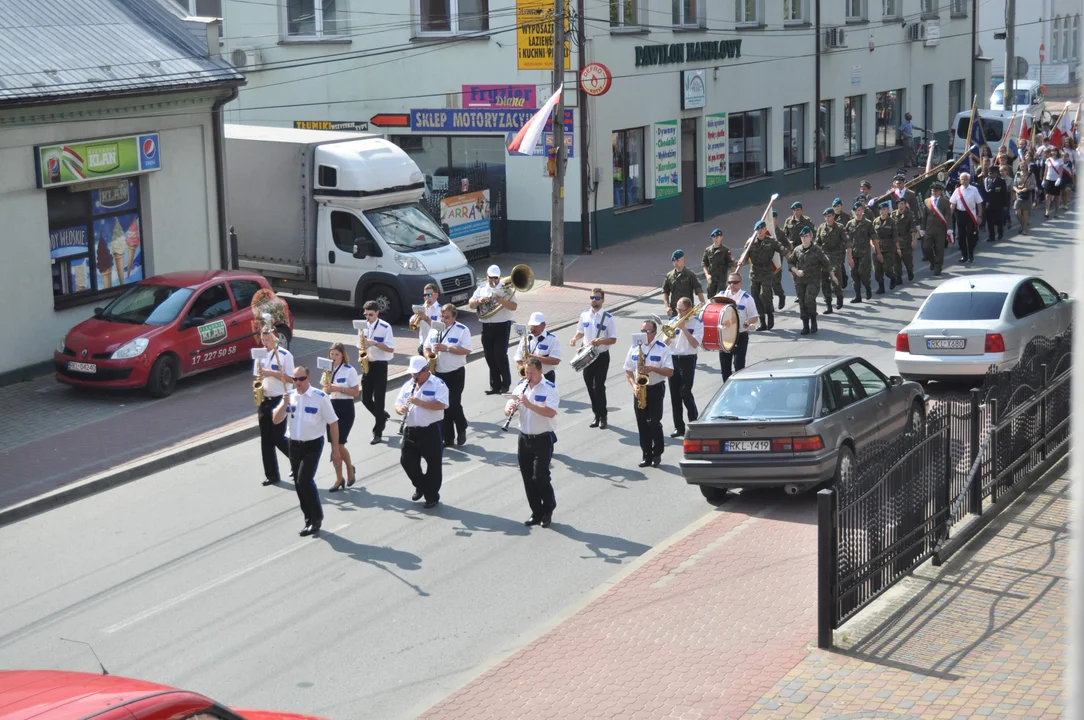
670 329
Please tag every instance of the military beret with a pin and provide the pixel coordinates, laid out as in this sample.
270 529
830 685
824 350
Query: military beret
885 205
716 231
760 224
837 201
807 230
775 213
795 205
829 211
678 254
859 205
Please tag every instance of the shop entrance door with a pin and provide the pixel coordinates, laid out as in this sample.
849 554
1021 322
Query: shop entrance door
690 206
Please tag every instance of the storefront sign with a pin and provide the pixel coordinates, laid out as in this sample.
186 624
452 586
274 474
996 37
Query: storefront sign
541 151
678 53
96 159
474 121
596 79
466 219
500 96
856 74
69 241
340 125
534 39
715 149
694 89
667 176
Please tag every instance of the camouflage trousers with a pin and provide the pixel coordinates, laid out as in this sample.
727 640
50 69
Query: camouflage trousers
827 286
889 266
806 292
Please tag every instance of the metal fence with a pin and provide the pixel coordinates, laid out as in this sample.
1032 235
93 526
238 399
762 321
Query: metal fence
973 456
473 178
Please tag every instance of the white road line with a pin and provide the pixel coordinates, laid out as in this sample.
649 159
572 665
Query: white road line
196 591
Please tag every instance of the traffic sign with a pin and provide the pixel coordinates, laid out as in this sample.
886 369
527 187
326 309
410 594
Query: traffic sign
1042 52
391 120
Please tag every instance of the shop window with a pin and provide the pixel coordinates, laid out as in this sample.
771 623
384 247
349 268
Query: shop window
452 17
748 144
889 109
201 8
749 12
685 12
852 124
624 13
824 132
855 10
793 137
313 19
628 167
95 239
795 12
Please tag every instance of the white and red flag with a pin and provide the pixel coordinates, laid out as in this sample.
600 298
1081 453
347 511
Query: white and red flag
525 140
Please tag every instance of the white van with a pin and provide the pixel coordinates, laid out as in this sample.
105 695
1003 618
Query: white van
1028 93
993 123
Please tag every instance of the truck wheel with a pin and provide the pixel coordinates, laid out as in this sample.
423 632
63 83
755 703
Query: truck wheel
387 301
713 495
163 377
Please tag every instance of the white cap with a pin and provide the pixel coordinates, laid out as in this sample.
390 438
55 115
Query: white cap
493 271
417 364
537 318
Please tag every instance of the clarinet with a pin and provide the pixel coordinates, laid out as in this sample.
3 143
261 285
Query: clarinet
522 385
402 422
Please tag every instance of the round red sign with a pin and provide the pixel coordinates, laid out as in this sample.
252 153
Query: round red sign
596 79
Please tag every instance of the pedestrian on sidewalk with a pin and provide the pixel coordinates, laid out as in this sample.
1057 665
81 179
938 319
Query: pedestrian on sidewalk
967 204
689 333
275 370
718 262
451 345
831 239
537 400
938 230
762 254
907 139
343 387
378 341
597 329
496 330
680 282
887 260
310 414
808 263
859 251
733 361
658 365
422 402
1023 189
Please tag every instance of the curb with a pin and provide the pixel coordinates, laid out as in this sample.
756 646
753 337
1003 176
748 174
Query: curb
157 462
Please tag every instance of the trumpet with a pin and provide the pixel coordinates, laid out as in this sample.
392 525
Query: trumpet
670 329
641 381
326 377
416 320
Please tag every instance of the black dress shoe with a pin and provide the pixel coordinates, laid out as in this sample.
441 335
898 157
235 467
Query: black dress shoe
416 496
314 530
762 327
269 481
646 462
839 302
595 423
782 301
430 504
829 310
492 391
376 439
602 424
461 441
656 461
546 520
533 520
677 434
306 531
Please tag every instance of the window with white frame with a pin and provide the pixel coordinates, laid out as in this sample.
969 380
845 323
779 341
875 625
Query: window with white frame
892 9
452 17
313 19
686 12
1055 36
852 124
201 8
929 8
748 144
624 13
748 12
794 137
795 11
1065 39
1076 37
855 10
889 110
824 132
958 8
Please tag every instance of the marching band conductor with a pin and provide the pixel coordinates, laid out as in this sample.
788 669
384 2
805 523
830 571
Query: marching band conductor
537 400
422 401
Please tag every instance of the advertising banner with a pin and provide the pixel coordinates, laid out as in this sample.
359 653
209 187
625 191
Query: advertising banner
715 149
507 96
667 174
96 159
465 218
481 120
534 38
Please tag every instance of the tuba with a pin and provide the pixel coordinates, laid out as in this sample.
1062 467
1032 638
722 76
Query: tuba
521 278
641 381
670 329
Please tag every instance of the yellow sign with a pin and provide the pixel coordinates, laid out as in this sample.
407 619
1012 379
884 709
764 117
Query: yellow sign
534 37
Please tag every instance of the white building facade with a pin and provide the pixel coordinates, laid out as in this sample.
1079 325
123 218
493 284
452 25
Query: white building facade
712 104
1046 28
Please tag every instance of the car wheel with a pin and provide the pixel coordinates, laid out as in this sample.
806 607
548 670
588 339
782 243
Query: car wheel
282 334
713 495
845 466
387 302
163 377
916 419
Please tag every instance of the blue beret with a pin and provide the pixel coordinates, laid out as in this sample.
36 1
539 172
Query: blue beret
760 224
775 213
837 201
885 205
859 205
678 254
795 205
829 211
716 231
807 230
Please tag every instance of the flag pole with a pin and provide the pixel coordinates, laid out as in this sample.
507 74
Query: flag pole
1008 132
970 127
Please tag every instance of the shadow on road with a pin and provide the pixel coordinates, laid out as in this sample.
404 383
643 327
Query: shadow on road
598 544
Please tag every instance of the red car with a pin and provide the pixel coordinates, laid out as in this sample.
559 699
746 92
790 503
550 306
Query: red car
164 328
58 695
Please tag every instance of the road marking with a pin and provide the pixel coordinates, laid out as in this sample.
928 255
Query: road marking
723 539
196 591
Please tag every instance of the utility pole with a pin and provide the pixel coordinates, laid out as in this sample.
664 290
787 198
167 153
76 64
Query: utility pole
1010 53
557 217
817 40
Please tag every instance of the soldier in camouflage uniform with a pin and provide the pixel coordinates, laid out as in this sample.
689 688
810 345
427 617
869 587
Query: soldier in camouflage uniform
938 229
842 218
718 263
761 253
680 282
905 241
859 256
887 260
777 282
831 239
794 224
808 263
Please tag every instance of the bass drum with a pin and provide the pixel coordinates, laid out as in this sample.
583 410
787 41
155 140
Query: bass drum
720 325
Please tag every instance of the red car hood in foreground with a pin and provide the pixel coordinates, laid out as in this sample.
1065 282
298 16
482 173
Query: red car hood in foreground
101 336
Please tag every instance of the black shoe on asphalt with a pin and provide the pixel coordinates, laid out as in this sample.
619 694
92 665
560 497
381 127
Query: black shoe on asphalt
503 390
546 520
656 461
461 440
602 424
678 433
416 496
892 283
813 325
782 301
430 504
762 327
869 292
314 530
376 439
839 301
269 481
857 298
828 311
910 275
805 326
771 320
595 423
646 462
492 391
937 272
533 520
306 531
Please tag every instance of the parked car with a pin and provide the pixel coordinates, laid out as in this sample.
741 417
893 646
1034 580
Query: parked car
969 324
164 328
795 423
60 695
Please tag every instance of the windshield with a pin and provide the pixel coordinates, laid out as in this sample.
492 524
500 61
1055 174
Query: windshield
992 130
963 306
764 399
147 305
407 228
1023 97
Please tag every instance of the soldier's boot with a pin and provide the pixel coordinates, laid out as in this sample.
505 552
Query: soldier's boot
892 283
844 281
805 326
782 300
828 304
881 287
763 324
771 320
813 325
869 291
910 273
857 294
839 300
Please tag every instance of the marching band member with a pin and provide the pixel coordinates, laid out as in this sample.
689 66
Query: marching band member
540 344
537 401
597 329
452 346
683 347
422 401
430 315
342 390
657 366
310 412
277 369
495 332
747 315
379 343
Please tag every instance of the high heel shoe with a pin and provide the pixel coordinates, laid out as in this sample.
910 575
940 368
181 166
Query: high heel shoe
336 487
353 476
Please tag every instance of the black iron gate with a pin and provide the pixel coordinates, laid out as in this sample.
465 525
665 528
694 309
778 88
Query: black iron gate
474 178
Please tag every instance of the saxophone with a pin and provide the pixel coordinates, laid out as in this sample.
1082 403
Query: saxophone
641 381
363 354
257 384
325 379
523 355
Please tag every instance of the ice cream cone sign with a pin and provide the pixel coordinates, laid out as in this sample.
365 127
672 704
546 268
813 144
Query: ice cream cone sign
117 247
132 237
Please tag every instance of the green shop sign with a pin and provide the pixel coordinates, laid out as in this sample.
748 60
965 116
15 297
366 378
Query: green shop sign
89 160
678 53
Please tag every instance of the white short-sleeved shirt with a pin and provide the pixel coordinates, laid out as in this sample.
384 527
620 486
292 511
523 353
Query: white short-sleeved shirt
432 389
1053 168
545 345
968 196
458 335
658 355
597 325
680 345
484 291
432 315
284 362
346 376
746 307
308 414
380 332
544 393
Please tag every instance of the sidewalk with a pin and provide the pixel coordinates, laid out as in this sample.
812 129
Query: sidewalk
720 624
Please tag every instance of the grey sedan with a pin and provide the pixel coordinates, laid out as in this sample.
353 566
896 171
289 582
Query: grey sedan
795 423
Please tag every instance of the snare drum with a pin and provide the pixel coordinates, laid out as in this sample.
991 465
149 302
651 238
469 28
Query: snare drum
720 324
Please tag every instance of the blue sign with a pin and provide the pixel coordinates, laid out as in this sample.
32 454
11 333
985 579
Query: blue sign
479 120
117 198
69 241
150 157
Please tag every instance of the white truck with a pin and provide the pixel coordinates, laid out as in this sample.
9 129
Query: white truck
336 215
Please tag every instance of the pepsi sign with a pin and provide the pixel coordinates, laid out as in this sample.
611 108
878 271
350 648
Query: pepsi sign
150 155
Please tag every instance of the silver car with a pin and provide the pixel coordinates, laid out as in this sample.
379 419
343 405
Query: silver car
795 423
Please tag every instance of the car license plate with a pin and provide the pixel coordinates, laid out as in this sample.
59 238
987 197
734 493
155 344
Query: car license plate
460 298
82 367
954 344
747 446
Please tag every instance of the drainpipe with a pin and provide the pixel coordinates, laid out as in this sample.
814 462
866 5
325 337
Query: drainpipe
817 95
974 47
219 141
585 212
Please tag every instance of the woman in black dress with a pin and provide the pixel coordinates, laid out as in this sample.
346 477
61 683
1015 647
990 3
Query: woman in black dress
342 391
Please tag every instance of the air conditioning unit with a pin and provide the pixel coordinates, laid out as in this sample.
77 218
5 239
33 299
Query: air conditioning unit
246 58
834 37
916 32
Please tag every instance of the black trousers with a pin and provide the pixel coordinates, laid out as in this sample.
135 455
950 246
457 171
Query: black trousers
495 349
374 388
272 437
423 443
733 361
994 220
535 453
455 422
681 389
303 459
594 376
967 234
649 421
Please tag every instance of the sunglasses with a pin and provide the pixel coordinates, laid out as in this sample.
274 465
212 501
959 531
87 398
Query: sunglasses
303 378
733 282
596 297
430 294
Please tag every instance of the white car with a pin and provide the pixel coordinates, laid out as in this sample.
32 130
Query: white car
971 323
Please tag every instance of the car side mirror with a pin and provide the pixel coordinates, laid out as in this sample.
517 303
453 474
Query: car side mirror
359 250
895 380
98 311
1063 295
194 320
